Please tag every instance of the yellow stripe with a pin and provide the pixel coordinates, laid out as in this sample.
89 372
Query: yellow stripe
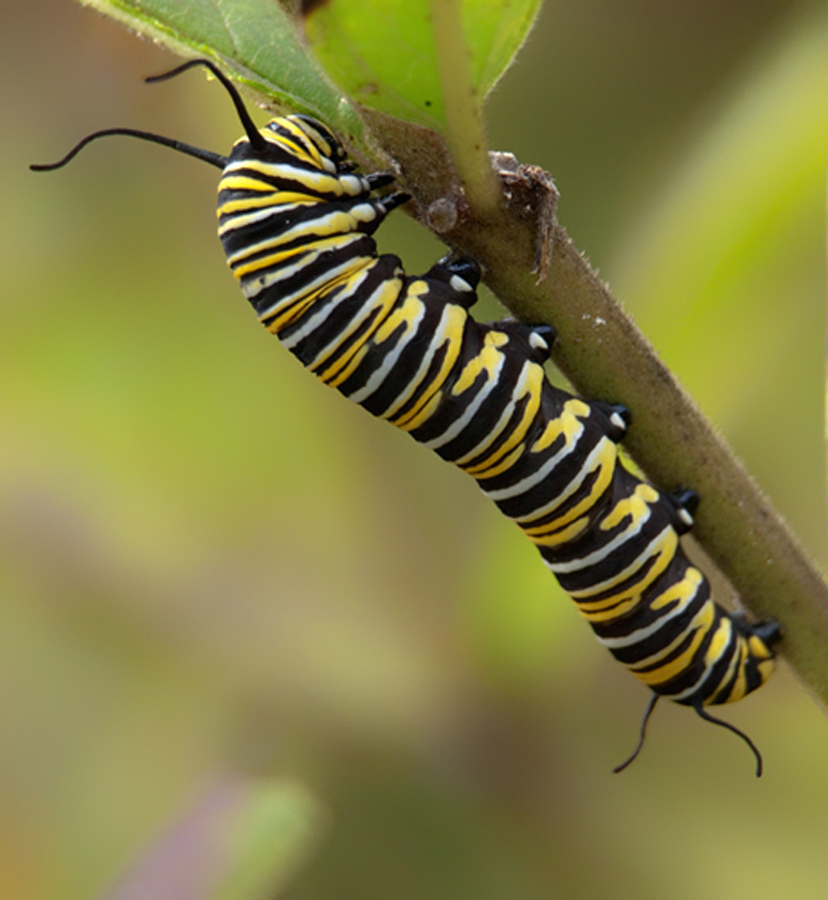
607 461
663 674
346 364
301 146
738 688
566 534
720 642
288 316
488 360
683 591
499 462
312 249
234 182
324 231
297 305
319 180
636 506
664 551
408 314
277 200
565 423
450 335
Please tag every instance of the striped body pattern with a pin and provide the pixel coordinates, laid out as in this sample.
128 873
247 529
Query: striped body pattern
296 222
296 225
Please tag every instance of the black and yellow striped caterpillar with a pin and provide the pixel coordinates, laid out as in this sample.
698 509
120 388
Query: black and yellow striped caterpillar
296 220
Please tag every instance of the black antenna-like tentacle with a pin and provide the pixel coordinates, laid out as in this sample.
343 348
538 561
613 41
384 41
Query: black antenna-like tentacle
214 159
205 155
642 734
702 713
250 129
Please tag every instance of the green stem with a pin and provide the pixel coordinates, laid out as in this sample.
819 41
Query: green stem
466 134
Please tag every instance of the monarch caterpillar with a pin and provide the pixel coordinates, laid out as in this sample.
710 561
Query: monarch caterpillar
296 223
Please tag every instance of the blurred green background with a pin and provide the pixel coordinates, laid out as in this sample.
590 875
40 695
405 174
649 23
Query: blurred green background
211 564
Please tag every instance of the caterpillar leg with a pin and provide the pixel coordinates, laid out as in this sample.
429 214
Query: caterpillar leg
462 275
685 503
541 340
378 180
391 201
769 631
618 419
537 340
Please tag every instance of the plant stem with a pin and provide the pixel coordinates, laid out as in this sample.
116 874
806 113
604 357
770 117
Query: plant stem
466 135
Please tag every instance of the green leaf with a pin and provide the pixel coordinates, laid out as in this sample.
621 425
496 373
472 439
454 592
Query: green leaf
382 54
255 39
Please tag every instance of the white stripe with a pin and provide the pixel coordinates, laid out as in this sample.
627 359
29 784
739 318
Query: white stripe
437 340
526 484
252 285
324 182
584 562
643 633
378 377
237 220
651 550
488 440
290 341
321 227
459 424
573 486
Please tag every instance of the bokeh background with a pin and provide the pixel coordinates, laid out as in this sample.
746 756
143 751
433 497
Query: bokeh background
209 563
